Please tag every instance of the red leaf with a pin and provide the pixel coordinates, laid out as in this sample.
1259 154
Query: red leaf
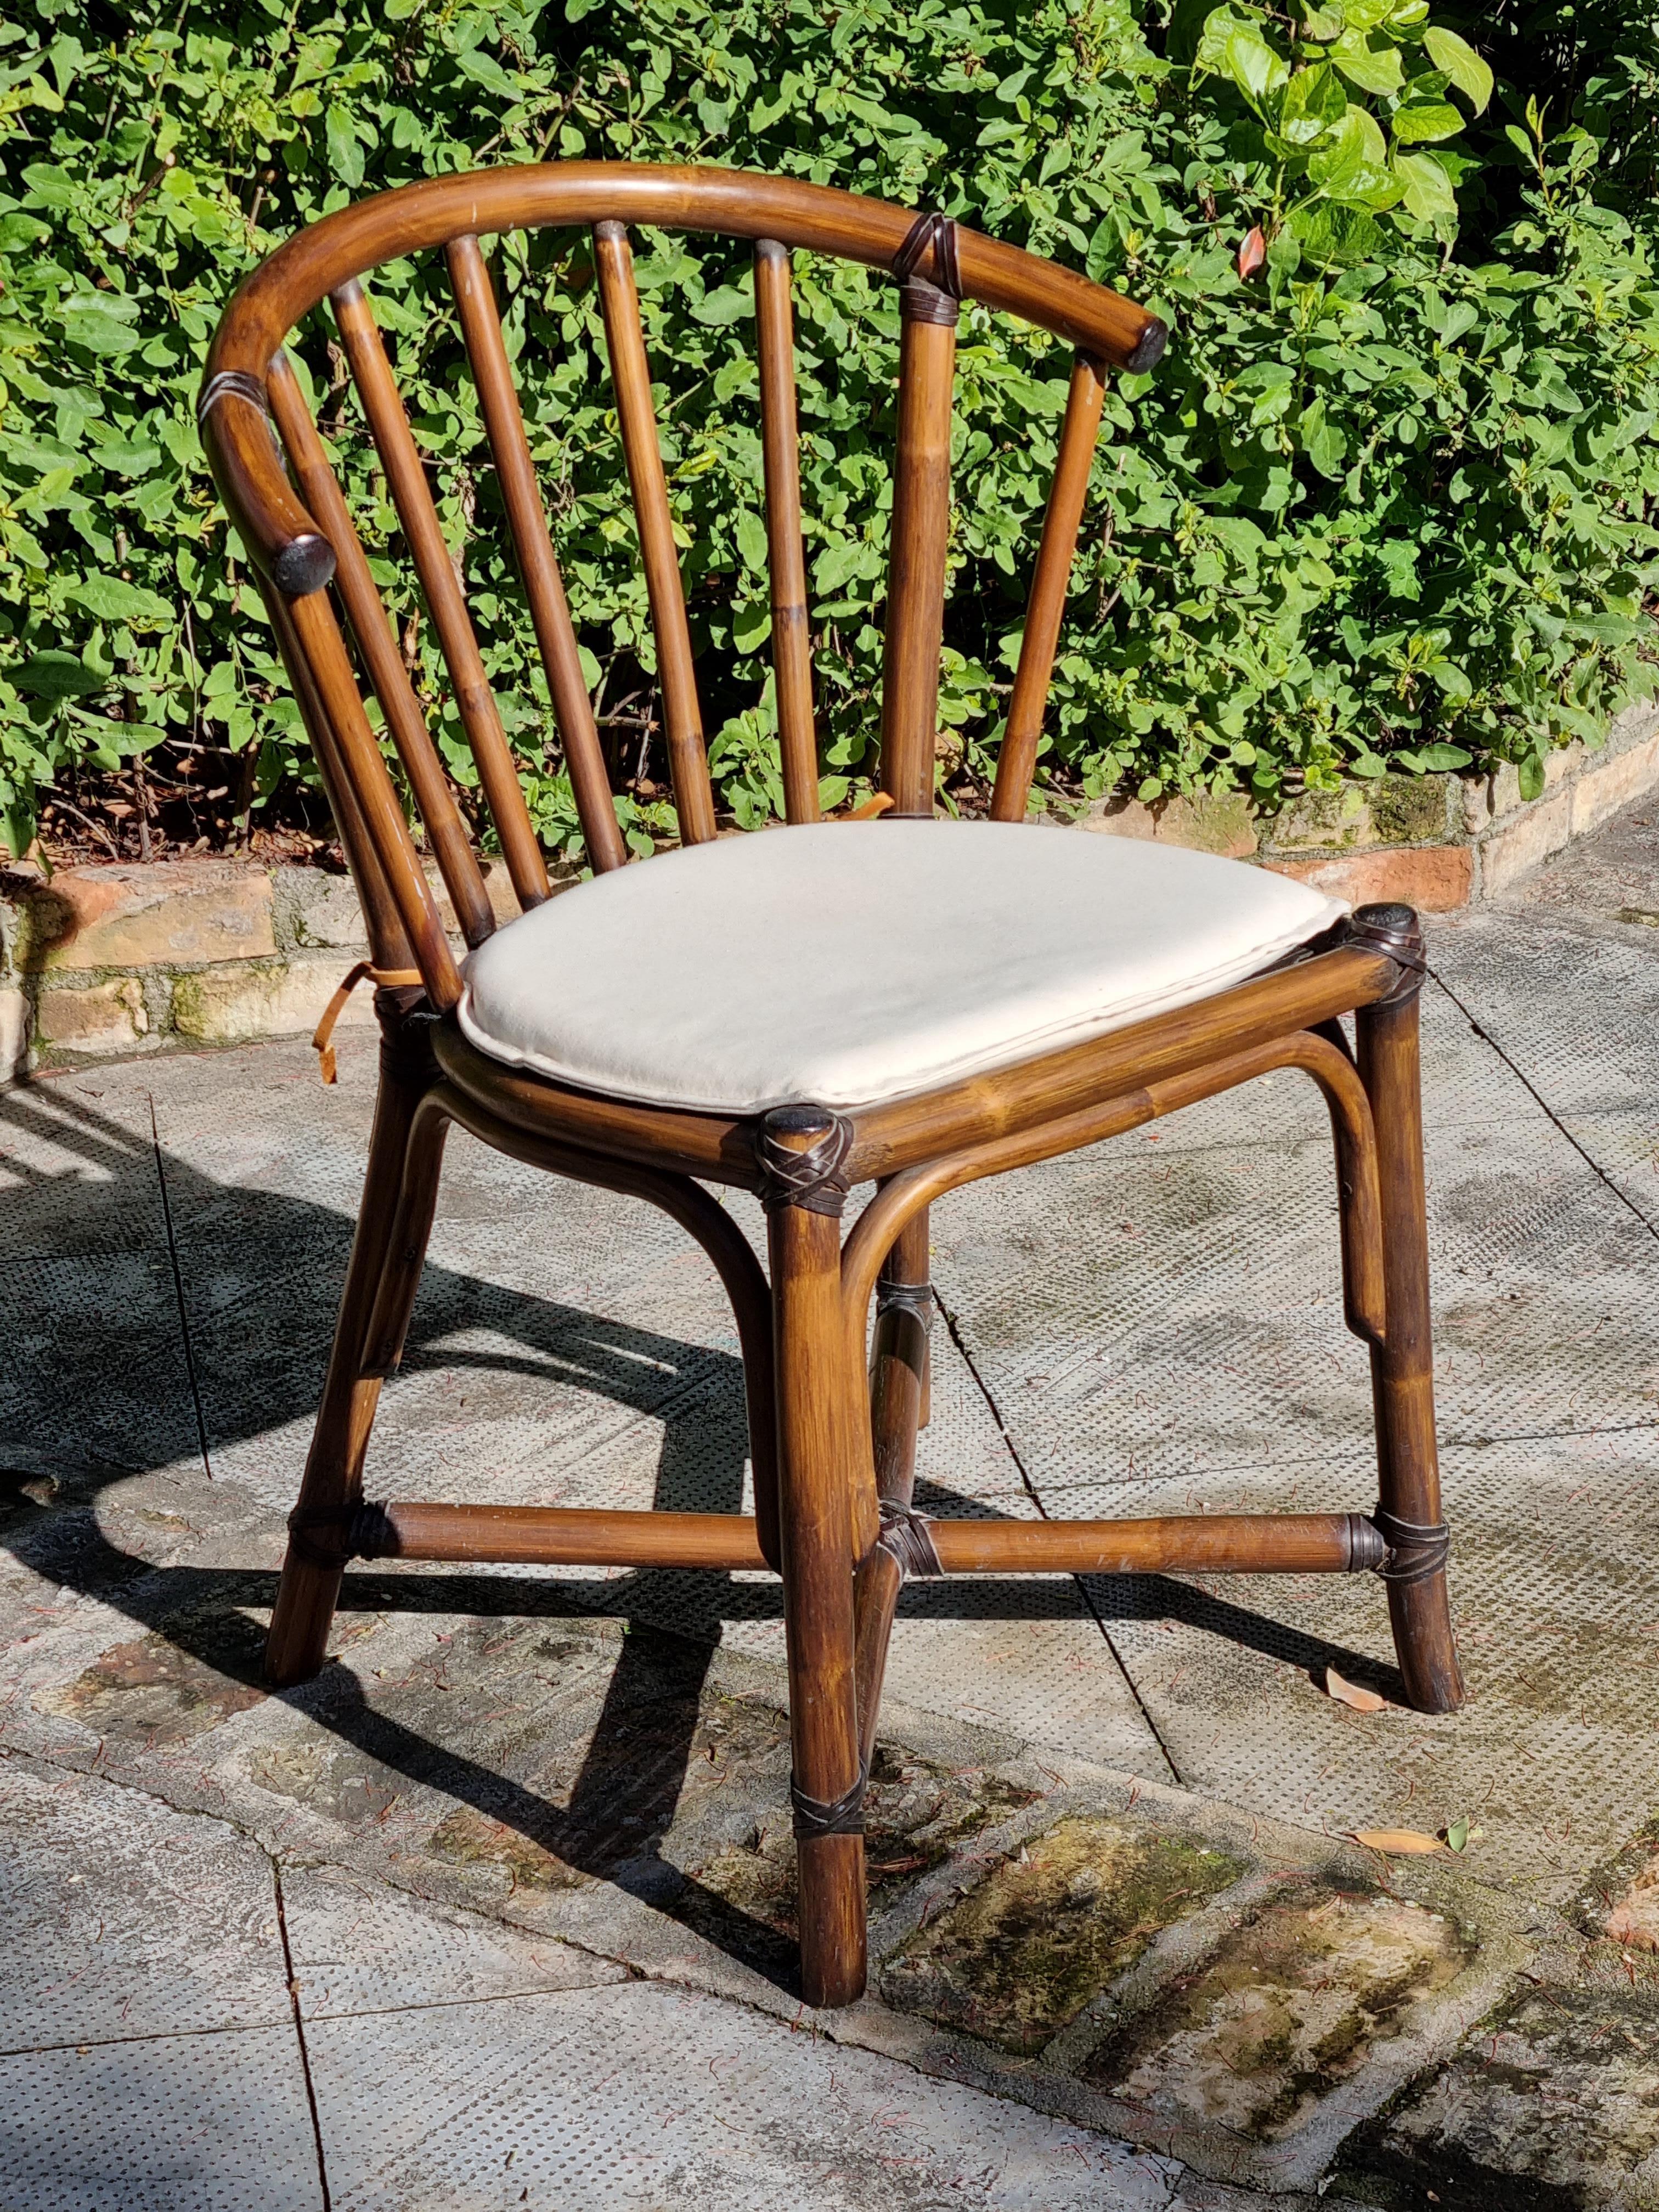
1253 253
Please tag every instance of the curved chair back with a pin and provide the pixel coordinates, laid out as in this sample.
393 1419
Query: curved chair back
300 536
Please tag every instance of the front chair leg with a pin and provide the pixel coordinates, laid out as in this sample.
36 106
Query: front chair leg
1402 1368
800 1151
310 1587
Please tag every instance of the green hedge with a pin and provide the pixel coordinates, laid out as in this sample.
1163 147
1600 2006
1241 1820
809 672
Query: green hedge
1390 500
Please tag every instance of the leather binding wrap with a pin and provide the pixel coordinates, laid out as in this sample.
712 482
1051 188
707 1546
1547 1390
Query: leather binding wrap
833 1816
937 299
810 1178
363 1531
904 1536
1416 1550
1395 931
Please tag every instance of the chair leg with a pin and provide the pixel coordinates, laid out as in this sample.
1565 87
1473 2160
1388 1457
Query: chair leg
310 1586
819 1398
1402 1371
899 1361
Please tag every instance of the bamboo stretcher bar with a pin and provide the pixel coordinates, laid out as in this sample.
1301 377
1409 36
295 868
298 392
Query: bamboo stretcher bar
555 1535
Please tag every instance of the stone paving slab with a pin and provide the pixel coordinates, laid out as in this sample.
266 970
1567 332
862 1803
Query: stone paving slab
181 2124
589 2102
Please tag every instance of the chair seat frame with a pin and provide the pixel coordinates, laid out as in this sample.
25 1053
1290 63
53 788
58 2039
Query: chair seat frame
834 1405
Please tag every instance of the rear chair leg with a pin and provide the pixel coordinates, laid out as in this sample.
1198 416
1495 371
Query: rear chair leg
310 1587
819 1399
1402 1372
900 1362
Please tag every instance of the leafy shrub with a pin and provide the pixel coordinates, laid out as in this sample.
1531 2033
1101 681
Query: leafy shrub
1390 500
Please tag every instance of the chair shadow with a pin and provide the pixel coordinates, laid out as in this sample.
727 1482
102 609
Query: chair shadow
288 1256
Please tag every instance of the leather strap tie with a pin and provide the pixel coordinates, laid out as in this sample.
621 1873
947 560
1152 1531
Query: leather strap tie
384 979
831 1816
232 383
915 1298
363 1531
1395 932
932 238
905 1536
810 1178
1416 1549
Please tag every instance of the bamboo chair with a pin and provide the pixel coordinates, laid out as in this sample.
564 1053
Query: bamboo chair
804 1033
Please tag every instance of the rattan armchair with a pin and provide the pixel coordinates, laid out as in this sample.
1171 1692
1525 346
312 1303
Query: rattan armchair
895 1000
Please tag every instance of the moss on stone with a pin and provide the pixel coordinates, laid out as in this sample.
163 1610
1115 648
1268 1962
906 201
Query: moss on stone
1023 1952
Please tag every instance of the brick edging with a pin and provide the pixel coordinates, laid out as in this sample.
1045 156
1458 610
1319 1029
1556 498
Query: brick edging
1438 842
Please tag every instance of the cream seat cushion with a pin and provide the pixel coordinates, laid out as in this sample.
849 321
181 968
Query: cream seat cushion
842 964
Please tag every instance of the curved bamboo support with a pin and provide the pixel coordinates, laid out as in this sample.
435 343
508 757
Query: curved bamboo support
700 1215
902 1196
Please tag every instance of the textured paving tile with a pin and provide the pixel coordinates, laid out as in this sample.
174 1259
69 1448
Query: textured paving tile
184 2123
360 1948
94 1375
643 2097
120 1917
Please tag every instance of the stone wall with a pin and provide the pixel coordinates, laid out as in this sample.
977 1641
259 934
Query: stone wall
117 959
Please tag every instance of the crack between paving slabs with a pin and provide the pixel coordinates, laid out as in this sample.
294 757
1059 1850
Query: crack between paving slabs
1014 1453
292 1980
179 1290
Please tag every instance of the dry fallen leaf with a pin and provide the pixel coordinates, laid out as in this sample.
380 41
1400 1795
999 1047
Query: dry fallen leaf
1397 1840
1351 1693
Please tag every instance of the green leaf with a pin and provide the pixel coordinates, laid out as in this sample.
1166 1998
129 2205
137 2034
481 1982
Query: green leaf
345 153
54 676
1530 775
728 305
1351 165
1253 64
483 68
1337 235
1321 441
1313 101
1459 61
1440 757
112 599
1457 1834
752 539
99 331
1372 70
1422 121
49 187
1426 188
836 564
